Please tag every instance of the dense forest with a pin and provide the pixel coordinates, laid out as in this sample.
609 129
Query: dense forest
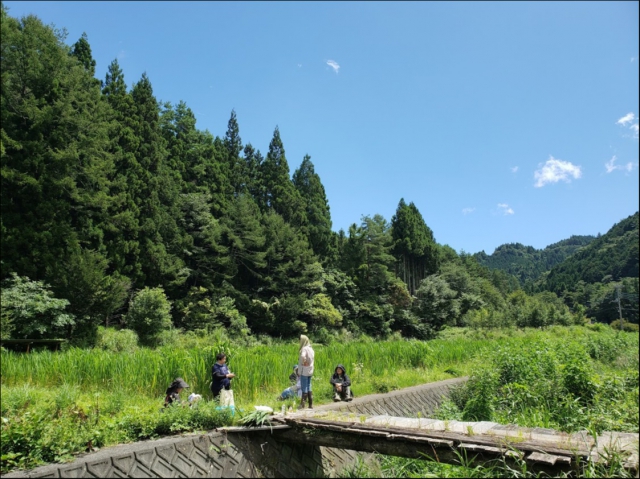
118 212
528 263
597 274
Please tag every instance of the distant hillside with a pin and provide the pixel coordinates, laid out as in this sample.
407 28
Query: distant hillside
612 256
527 263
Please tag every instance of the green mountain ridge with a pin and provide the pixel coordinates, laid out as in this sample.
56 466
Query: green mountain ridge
527 263
610 257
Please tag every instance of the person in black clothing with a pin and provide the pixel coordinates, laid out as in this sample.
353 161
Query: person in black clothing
172 395
341 384
221 377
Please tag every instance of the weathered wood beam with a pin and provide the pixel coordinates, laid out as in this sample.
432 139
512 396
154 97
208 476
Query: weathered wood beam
442 446
443 451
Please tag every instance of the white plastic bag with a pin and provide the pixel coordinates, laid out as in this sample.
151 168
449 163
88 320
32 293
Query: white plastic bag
226 398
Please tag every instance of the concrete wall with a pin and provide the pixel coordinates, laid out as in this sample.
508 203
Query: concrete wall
243 453
407 402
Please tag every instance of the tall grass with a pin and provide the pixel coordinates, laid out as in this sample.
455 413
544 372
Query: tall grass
259 370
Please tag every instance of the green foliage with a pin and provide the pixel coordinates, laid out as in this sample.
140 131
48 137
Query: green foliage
111 339
624 326
32 311
553 384
255 419
436 304
528 263
614 253
149 314
50 427
318 228
202 311
321 312
414 246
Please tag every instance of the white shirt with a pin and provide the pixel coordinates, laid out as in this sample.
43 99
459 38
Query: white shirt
306 357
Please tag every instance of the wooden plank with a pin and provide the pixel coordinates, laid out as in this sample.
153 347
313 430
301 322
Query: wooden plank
480 448
548 459
488 440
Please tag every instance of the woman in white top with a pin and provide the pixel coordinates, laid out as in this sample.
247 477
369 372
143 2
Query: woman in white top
305 369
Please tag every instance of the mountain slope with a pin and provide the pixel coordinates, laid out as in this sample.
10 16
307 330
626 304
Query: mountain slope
527 263
614 254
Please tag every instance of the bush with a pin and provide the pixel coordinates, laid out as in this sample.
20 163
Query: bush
110 339
30 308
626 326
149 314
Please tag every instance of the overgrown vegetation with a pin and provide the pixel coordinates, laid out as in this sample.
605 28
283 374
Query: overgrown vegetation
569 379
58 404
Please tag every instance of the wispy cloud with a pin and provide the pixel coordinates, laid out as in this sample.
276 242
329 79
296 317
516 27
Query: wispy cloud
625 120
628 118
555 170
299 65
333 65
514 169
122 55
466 211
611 166
634 59
506 209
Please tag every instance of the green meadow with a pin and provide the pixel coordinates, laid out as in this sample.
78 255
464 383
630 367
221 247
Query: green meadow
57 404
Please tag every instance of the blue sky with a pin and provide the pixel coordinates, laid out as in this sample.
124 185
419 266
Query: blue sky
503 122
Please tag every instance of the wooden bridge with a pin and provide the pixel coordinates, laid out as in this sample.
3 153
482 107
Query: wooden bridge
543 450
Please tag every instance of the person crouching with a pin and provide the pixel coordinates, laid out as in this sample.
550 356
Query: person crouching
341 384
172 395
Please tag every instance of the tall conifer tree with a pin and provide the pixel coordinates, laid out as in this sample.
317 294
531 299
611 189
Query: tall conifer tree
318 229
279 192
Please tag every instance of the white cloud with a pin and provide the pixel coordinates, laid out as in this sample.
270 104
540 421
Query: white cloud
628 118
122 55
333 65
634 129
610 166
633 59
299 65
506 210
514 169
466 211
555 170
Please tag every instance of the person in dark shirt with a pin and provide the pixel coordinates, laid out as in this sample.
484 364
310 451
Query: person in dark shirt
341 384
221 377
172 395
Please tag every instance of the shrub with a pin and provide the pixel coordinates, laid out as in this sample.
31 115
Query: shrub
30 308
110 339
626 326
149 314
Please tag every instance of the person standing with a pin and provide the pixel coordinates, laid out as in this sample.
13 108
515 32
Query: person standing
305 369
221 377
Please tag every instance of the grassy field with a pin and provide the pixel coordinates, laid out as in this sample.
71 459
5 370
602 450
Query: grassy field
57 404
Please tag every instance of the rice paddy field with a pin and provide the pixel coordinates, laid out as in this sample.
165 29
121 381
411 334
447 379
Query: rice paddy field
57 404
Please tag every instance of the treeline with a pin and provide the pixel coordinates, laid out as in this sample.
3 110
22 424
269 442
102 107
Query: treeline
118 211
527 263
597 276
